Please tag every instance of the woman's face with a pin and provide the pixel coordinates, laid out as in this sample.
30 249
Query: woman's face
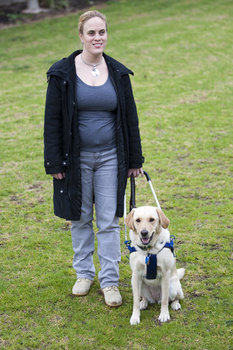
94 36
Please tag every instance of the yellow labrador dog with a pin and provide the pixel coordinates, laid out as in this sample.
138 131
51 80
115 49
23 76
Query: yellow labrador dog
149 235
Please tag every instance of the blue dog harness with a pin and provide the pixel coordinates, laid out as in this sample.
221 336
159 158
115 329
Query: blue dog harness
151 259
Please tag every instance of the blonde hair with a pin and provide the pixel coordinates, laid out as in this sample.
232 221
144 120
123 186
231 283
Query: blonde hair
88 15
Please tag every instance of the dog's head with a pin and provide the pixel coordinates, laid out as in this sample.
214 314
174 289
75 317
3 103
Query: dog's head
146 223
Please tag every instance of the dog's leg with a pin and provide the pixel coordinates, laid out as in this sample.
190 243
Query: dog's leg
143 303
175 305
136 286
175 289
164 314
180 273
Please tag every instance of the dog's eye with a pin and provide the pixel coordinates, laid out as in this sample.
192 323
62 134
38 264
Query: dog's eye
152 220
138 220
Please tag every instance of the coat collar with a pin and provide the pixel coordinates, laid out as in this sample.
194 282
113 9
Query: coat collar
65 68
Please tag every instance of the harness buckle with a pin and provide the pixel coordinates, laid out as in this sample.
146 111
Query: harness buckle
128 245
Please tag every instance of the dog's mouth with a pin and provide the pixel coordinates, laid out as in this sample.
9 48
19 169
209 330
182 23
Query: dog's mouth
146 240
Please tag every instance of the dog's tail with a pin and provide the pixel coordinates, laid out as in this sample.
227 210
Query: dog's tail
180 273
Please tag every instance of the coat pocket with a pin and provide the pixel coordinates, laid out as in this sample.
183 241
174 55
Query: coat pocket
60 199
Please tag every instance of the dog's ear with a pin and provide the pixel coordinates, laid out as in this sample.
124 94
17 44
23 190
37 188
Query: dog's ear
129 220
163 219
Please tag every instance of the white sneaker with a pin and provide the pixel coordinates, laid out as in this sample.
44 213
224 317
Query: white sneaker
112 296
82 286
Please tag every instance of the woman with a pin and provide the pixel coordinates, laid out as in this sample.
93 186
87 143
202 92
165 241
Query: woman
92 144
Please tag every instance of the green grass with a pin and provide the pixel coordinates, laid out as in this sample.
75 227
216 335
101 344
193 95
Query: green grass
181 54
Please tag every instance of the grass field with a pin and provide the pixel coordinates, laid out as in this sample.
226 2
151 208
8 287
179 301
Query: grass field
181 54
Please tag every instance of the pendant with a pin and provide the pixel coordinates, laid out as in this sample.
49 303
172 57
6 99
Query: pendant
95 72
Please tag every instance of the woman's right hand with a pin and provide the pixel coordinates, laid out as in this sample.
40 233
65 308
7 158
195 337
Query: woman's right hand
59 176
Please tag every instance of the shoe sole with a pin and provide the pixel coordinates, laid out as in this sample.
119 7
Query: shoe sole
82 295
110 305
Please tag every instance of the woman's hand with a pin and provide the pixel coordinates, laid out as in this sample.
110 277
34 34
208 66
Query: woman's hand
135 172
59 176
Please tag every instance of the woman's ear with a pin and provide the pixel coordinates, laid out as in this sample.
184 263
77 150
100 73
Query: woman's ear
80 36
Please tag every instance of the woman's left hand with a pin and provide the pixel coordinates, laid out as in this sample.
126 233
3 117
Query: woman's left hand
135 172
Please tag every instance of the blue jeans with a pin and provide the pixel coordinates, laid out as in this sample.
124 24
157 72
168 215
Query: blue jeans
99 179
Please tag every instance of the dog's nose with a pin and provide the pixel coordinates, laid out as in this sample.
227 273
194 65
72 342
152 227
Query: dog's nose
144 233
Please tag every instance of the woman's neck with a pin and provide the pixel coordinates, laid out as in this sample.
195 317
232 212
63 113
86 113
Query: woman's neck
91 59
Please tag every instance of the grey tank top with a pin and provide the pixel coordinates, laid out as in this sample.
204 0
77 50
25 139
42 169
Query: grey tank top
96 116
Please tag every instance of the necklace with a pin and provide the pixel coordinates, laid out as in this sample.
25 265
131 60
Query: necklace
95 72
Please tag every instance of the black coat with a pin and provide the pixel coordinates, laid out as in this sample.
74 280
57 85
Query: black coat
61 137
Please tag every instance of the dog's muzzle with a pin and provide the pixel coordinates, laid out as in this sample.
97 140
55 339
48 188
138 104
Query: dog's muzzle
144 237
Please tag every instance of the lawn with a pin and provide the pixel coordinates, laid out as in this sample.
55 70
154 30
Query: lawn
181 54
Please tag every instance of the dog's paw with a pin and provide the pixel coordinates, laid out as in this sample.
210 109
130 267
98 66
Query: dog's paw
175 305
164 317
134 320
143 304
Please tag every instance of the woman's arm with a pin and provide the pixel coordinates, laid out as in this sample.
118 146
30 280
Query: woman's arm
135 152
53 128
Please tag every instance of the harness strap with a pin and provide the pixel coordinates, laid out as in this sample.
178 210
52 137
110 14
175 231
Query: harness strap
151 267
151 259
170 245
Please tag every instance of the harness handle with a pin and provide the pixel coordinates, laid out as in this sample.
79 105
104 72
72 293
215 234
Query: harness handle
146 175
152 188
132 203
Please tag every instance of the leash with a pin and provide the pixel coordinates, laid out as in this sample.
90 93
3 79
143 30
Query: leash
132 204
